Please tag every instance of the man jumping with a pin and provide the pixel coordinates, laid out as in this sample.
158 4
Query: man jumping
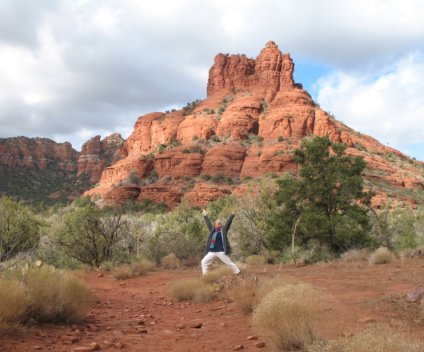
218 245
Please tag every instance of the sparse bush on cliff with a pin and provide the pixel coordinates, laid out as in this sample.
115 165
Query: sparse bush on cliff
189 108
19 228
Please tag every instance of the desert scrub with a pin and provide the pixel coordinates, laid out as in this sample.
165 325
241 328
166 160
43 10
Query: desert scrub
256 260
377 338
14 303
127 271
51 296
216 275
192 289
287 316
170 261
382 255
355 255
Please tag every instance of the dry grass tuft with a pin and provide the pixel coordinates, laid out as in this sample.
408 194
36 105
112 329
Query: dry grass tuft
170 262
245 295
256 260
373 339
287 316
355 255
56 296
142 267
14 303
382 255
122 272
186 290
217 274
204 294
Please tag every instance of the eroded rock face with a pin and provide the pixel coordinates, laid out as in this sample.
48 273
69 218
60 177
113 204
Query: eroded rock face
37 153
253 118
268 74
98 153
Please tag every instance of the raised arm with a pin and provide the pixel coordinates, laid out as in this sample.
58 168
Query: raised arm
229 221
207 220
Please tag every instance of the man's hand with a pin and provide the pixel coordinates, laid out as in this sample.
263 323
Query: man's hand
204 212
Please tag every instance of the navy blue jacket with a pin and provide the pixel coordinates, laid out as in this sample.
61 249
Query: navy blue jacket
224 231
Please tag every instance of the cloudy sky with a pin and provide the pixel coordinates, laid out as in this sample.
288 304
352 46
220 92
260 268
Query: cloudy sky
71 69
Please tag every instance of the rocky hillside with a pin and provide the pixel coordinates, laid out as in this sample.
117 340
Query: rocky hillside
39 169
253 118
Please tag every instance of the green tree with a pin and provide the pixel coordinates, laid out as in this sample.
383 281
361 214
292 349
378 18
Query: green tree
19 228
328 196
90 235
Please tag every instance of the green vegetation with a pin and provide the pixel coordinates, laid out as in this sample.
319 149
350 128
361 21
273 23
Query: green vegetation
327 204
189 108
19 228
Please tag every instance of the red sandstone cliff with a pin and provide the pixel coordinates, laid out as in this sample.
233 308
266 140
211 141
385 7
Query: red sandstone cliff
41 168
253 118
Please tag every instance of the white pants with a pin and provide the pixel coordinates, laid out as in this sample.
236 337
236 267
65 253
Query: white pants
210 256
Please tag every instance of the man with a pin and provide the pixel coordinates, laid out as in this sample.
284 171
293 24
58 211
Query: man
218 245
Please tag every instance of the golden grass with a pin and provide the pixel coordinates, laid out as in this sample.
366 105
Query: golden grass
142 267
216 275
56 295
204 293
14 303
245 295
256 260
355 255
287 316
170 262
382 255
377 338
124 272
186 290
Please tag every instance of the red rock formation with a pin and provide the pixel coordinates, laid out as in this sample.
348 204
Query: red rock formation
252 120
96 154
271 72
37 153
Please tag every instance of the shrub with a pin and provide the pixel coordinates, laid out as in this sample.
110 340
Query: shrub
355 255
56 295
287 316
122 272
382 255
215 138
14 303
256 260
245 295
187 289
91 235
214 276
204 294
170 262
19 229
107 266
142 267
374 339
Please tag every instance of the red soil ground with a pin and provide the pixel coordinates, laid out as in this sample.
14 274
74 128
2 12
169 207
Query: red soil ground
140 315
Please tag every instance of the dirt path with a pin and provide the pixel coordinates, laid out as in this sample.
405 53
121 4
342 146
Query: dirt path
140 315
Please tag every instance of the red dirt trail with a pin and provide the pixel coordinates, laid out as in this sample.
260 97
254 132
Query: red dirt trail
139 314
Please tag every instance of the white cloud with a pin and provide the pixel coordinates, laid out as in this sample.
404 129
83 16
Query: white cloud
79 65
387 104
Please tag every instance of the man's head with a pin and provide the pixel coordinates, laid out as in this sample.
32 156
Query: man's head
218 223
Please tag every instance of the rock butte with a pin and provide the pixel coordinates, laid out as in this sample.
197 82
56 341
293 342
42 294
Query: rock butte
253 118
